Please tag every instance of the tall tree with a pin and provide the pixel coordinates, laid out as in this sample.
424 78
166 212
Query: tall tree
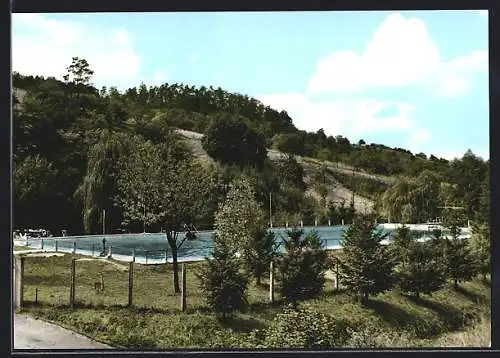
157 188
239 218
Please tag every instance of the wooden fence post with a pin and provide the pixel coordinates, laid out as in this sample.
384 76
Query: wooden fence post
130 282
74 247
36 295
183 288
19 278
271 282
102 282
337 276
72 285
42 244
133 254
56 246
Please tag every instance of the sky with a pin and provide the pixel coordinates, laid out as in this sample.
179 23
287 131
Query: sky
416 80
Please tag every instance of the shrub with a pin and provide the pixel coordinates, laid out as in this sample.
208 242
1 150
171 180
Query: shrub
305 328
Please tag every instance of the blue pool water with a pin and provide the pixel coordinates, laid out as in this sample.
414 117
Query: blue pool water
154 248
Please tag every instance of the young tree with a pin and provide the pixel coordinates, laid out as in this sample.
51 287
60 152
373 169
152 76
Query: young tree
155 187
421 271
303 266
366 265
239 218
481 249
262 250
460 263
222 282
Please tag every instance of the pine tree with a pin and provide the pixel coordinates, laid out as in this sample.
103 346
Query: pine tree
421 270
460 264
480 246
366 265
303 266
260 253
222 282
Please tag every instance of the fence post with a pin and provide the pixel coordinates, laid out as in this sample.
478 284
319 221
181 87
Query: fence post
36 295
102 282
19 278
271 282
130 282
337 276
329 222
56 246
183 288
74 247
133 254
42 244
72 285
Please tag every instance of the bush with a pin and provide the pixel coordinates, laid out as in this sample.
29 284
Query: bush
305 328
303 266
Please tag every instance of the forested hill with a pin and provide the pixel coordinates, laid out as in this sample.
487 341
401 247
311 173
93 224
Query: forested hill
60 126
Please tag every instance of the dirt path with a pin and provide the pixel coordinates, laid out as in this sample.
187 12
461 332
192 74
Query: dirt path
30 333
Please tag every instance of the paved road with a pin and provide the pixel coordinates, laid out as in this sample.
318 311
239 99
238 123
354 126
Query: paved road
30 333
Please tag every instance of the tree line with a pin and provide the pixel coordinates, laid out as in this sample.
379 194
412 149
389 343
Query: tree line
71 139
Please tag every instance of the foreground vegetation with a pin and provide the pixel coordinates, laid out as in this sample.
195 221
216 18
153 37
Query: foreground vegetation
392 319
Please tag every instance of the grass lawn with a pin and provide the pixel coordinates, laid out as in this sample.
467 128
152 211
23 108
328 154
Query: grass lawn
155 320
22 248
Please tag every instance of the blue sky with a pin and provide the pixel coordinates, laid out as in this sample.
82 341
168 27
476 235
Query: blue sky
416 80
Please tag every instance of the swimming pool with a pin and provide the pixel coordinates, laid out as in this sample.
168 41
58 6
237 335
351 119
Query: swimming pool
153 248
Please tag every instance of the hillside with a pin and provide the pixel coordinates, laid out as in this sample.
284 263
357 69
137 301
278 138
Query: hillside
337 192
70 140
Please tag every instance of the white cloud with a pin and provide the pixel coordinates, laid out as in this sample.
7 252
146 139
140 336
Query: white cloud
346 116
400 53
42 46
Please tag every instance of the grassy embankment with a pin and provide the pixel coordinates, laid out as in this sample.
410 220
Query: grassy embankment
155 320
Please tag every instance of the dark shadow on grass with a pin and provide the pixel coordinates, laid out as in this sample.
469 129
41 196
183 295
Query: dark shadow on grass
485 283
472 296
53 280
258 307
393 315
451 317
241 324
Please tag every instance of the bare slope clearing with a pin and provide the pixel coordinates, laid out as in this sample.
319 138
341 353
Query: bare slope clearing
337 191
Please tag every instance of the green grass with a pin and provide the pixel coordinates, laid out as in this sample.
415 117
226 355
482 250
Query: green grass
155 320
21 248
